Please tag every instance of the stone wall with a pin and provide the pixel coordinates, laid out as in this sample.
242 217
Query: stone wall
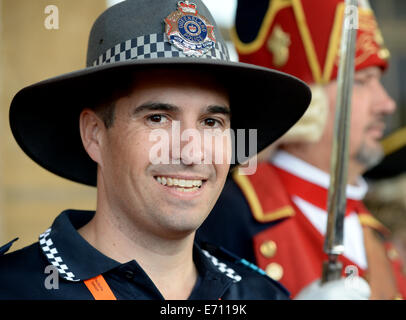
31 197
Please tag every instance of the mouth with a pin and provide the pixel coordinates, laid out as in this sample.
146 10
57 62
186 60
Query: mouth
184 185
376 130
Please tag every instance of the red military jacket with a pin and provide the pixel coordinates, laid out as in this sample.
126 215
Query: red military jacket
291 251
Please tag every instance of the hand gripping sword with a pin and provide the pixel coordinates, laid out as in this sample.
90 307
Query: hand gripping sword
333 245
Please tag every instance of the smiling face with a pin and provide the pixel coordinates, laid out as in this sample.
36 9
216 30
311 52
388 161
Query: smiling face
370 105
168 200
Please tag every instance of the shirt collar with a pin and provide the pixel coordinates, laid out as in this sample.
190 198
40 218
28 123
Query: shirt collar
76 260
215 276
306 171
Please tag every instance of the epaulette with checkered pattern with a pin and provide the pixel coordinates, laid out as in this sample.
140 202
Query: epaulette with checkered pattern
229 256
222 267
226 255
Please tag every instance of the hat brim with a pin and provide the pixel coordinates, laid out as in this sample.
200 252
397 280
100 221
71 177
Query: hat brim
391 166
44 117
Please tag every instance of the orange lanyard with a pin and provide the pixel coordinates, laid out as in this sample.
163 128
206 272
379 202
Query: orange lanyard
99 288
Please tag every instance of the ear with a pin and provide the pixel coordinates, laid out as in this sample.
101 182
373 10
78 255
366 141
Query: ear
92 130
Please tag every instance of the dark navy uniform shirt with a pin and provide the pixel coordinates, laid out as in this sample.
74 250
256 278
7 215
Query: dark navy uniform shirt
26 273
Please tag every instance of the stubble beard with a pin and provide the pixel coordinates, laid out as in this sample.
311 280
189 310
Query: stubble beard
368 156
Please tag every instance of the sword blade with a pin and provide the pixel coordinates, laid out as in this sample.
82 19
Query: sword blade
334 245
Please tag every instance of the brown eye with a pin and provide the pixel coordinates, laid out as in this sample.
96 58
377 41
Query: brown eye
157 118
210 122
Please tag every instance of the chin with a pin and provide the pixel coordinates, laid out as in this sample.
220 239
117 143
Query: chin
181 225
369 156
178 232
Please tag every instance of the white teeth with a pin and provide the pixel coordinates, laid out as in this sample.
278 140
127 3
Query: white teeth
187 189
170 182
185 185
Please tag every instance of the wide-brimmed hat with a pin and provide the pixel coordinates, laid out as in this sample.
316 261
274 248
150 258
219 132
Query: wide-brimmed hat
139 35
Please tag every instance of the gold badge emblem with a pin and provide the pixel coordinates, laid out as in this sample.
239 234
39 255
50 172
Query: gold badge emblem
278 45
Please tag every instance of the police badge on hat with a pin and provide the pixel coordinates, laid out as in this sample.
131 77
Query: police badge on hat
189 31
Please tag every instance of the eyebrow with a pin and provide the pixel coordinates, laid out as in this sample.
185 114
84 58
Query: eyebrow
155 106
158 106
219 109
371 73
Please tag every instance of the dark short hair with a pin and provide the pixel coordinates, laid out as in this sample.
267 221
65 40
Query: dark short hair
106 111
105 107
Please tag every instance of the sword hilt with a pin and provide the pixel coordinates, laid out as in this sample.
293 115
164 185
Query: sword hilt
332 269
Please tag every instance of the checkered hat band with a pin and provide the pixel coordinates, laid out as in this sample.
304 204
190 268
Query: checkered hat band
154 46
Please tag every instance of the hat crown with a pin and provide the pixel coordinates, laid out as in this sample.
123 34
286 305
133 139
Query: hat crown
132 19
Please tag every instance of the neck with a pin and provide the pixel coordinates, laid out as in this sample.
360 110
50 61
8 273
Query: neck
320 158
169 263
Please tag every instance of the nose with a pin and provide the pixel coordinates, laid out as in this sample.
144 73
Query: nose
383 100
191 147
187 143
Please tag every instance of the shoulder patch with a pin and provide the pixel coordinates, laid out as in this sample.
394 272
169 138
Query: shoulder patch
7 247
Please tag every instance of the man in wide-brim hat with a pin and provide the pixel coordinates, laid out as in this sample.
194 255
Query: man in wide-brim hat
153 68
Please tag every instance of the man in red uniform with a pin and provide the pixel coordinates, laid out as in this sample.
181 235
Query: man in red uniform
279 213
